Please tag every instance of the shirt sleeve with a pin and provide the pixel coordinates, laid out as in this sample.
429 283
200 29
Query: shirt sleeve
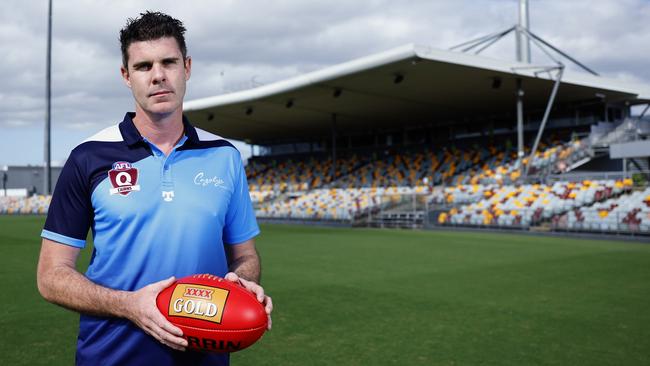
240 224
70 214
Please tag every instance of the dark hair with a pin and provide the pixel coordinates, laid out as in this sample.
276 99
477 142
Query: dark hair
150 26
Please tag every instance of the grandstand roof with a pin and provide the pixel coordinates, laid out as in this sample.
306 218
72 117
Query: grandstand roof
367 93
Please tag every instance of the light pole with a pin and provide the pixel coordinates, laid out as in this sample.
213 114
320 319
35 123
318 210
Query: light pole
48 107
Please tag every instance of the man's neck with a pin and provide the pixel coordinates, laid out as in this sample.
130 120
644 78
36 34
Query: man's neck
164 131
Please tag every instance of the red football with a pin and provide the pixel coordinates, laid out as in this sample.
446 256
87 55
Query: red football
214 314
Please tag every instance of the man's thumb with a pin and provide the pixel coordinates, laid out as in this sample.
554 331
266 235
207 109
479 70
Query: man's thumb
161 285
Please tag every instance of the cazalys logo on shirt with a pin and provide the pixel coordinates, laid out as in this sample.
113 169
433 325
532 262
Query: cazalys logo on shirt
200 179
124 178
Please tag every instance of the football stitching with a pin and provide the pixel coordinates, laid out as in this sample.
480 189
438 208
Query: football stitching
224 330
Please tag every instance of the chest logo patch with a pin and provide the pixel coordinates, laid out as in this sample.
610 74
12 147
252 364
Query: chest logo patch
200 179
124 178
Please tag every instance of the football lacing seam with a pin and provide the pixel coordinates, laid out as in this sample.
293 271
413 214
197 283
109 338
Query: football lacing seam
222 330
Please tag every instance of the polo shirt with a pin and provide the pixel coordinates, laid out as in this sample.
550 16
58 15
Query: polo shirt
152 216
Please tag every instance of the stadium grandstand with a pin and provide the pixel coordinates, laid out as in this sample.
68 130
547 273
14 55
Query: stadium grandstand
420 137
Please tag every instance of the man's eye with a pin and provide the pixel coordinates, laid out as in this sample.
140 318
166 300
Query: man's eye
143 67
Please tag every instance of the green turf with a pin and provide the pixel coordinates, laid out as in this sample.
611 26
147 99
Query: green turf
391 297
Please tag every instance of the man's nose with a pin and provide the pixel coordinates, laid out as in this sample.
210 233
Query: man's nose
158 74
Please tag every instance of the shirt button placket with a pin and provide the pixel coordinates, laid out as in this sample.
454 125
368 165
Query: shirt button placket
167 180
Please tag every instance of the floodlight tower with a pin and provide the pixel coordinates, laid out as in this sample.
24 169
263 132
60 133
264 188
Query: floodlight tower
48 101
523 55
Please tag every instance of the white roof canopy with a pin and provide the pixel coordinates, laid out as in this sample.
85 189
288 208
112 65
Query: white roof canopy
408 85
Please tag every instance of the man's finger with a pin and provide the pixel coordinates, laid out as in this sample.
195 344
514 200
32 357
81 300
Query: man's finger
232 277
168 338
164 324
257 290
269 305
152 333
254 288
174 346
171 329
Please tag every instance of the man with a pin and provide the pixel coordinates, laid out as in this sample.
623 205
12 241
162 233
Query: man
163 199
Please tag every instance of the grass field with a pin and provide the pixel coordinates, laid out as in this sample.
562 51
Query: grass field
390 297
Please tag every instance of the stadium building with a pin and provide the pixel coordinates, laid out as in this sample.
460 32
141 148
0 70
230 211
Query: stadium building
417 136
21 191
22 181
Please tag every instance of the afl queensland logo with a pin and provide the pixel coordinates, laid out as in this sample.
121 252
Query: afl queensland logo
124 178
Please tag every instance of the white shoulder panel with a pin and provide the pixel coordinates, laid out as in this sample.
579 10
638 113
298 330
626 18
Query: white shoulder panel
207 136
110 134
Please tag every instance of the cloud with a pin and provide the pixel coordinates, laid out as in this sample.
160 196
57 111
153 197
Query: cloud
17 123
236 44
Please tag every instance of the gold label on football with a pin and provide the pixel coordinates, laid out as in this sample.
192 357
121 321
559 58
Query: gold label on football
198 302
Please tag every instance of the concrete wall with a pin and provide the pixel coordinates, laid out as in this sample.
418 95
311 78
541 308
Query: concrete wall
29 177
633 149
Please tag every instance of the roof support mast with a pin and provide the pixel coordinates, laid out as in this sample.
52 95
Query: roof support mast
524 37
523 55
333 171
523 42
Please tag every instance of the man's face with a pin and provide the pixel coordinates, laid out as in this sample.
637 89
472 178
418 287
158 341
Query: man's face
157 75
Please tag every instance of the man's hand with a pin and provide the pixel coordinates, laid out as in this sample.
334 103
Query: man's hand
59 282
257 290
141 309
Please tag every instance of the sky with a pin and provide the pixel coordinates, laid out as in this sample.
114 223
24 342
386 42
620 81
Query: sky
237 45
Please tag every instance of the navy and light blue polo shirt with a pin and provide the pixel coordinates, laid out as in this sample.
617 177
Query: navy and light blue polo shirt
152 216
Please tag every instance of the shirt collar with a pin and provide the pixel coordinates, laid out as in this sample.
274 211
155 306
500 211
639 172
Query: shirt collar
132 136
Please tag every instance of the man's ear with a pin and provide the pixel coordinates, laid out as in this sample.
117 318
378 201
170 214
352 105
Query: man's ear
188 67
125 76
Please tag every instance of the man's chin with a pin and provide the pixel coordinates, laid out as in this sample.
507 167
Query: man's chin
161 109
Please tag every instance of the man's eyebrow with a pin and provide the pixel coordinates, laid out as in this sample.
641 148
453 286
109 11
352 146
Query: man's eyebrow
171 59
